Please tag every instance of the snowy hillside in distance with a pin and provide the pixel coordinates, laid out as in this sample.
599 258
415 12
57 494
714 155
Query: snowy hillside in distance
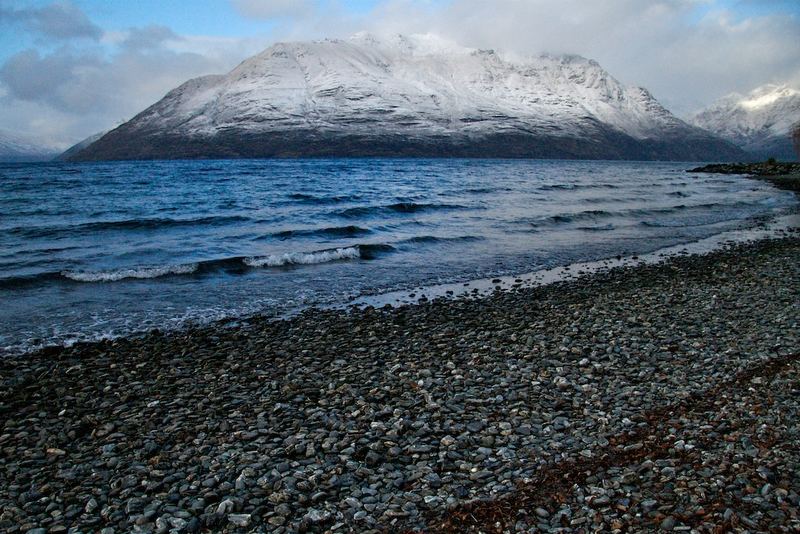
16 149
407 96
80 145
759 122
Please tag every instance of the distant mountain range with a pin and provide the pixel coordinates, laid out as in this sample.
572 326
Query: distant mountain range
17 149
760 122
407 96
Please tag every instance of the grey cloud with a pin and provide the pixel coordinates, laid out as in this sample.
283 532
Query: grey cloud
79 88
29 76
81 83
60 21
71 93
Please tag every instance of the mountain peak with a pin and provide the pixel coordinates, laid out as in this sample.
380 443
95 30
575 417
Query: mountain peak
767 95
404 95
760 121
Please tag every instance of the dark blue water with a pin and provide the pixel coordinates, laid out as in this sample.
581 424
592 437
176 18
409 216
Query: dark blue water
90 250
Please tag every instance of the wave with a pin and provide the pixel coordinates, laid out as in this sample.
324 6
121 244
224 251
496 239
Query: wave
130 273
657 224
20 282
566 218
571 217
478 190
602 228
371 252
414 207
557 187
304 258
335 231
128 224
364 252
680 224
424 239
570 187
306 198
232 265
398 207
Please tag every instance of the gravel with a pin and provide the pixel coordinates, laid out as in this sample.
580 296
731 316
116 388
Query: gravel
646 398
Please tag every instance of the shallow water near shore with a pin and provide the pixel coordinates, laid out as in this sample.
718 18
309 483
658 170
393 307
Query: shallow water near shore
97 250
778 227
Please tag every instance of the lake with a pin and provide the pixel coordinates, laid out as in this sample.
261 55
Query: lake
107 249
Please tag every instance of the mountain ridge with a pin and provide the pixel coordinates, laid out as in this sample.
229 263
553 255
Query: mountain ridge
80 145
759 122
16 149
407 96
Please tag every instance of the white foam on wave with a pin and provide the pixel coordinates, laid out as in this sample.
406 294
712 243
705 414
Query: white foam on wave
304 258
135 273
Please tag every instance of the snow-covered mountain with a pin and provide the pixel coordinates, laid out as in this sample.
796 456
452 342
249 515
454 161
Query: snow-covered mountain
17 149
760 122
407 96
80 145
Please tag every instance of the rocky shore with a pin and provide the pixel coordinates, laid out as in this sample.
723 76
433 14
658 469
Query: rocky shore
645 398
784 175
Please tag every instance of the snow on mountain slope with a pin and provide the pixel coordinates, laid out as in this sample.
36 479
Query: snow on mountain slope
406 95
760 122
17 149
80 145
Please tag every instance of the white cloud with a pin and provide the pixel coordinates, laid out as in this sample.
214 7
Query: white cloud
687 52
685 60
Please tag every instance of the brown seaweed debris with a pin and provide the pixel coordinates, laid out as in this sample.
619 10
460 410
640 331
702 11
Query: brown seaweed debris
552 484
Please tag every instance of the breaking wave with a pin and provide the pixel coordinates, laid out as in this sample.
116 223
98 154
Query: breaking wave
304 258
132 273
355 252
234 265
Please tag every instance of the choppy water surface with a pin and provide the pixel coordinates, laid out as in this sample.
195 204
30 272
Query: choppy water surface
89 250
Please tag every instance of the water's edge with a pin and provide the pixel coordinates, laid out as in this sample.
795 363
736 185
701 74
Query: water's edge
777 227
780 226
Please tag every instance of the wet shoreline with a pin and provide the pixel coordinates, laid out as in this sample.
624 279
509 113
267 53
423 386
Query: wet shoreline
399 418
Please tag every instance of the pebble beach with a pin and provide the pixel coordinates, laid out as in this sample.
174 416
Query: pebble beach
645 398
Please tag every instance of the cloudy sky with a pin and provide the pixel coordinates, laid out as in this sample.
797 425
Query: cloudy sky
70 68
